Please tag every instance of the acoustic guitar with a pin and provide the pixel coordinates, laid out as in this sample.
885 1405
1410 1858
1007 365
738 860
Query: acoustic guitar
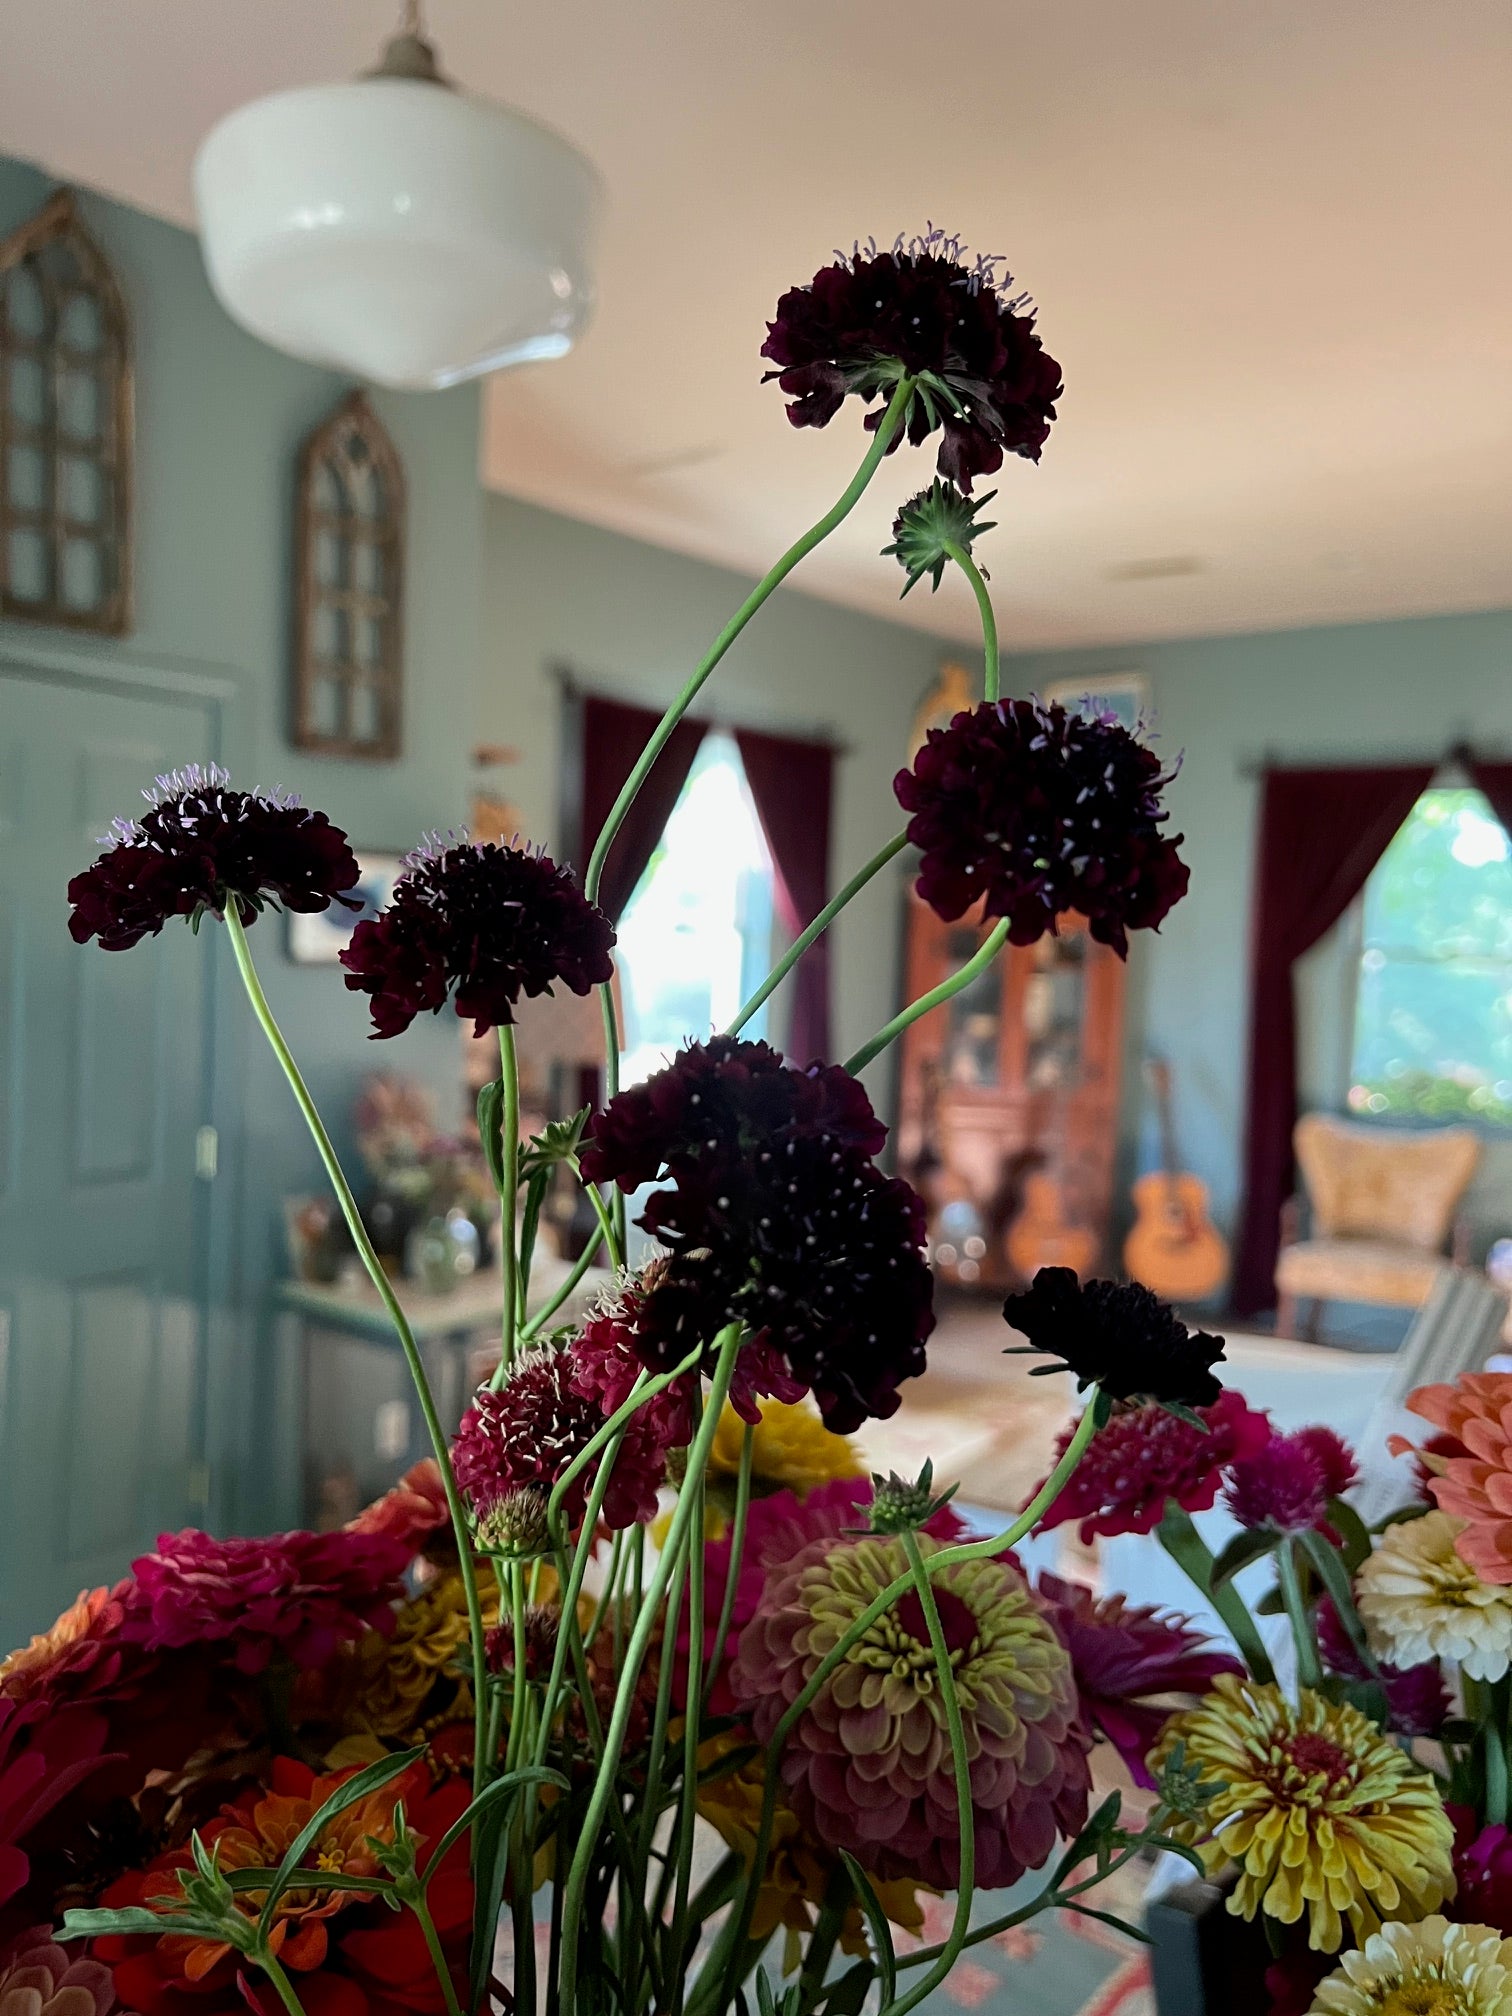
1042 1235
1173 1246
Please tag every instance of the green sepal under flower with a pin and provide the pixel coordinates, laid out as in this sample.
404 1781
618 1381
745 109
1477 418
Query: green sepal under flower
929 525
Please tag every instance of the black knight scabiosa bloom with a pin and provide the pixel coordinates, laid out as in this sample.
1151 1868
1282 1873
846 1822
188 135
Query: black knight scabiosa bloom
481 923
1116 1335
197 845
1038 812
924 310
774 1215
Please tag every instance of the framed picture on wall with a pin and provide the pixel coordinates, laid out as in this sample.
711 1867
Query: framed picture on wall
1124 695
318 939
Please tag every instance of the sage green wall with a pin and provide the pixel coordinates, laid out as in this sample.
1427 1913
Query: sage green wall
1377 690
219 418
633 620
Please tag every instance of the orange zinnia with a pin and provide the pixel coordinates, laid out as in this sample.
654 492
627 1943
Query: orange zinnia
1475 1486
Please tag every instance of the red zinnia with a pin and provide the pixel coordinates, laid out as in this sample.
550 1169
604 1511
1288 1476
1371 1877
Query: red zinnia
1143 1456
1288 1482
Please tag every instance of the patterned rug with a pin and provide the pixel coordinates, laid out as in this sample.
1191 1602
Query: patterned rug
1058 1965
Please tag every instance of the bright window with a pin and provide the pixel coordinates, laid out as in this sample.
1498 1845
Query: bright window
696 937
1433 1012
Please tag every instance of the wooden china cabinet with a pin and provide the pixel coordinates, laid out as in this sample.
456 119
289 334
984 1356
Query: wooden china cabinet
1008 1102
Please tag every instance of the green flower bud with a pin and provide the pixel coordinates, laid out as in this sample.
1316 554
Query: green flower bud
929 525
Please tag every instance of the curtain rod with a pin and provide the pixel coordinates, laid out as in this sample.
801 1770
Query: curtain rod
1458 751
824 735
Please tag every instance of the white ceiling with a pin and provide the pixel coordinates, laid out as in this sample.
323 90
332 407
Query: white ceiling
1269 239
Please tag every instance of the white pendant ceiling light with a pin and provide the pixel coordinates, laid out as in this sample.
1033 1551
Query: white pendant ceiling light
395 228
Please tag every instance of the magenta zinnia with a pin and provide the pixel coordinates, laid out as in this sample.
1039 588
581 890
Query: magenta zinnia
1144 1456
1125 1656
480 925
1032 812
297 1594
984 379
198 845
868 1766
1287 1483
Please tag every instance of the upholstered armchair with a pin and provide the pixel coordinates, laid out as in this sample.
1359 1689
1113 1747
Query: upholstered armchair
1381 1205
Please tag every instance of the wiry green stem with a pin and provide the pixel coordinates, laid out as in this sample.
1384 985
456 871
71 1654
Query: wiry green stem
364 1245
991 680
509 1157
979 961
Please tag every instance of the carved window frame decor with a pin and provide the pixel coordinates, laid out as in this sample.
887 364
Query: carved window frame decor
348 666
65 426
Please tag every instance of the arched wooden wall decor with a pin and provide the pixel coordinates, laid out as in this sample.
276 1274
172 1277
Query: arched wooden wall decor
349 588
65 426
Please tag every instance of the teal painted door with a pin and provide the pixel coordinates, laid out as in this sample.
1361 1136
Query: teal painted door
103 1078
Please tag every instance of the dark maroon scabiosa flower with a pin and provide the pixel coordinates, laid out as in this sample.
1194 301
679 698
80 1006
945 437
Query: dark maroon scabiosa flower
1124 1655
1417 1701
197 845
524 1435
1032 812
1287 1484
1143 1456
925 310
297 1594
725 1094
1116 1335
773 1215
481 924
605 1363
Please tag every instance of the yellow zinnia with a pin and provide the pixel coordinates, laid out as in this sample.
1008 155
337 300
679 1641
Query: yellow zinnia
1432 1969
791 1450
1325 1817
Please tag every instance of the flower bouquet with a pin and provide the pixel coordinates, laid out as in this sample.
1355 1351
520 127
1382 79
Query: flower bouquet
637 1695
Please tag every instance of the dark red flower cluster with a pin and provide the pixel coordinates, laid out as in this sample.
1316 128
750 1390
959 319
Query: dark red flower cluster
605 1365
775 1217
1116 1335
1143 1456
297 1594
985 379
1483 1873
1033 811
1417 1701
44 1755
1288 1482
199 844
524 1434
1125 1656
481 924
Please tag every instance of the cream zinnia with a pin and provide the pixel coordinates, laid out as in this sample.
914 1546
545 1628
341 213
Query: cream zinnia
1431 1969
1420 1599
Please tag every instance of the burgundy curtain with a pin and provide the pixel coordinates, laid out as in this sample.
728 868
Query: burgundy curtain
792 783
1321 833
613 736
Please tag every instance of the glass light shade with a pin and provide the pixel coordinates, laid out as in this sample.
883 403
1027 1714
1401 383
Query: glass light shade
397 230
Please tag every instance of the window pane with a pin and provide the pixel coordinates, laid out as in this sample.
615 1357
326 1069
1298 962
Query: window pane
1443 888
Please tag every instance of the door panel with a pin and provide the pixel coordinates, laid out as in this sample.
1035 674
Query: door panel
105 1063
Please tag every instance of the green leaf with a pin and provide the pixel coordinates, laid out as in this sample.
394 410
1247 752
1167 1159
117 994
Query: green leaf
1191 1553
512 1781
1090 1840
1166 1845
1241 1551
134 1920
1352 1530
1107 1918
370 1779
305 1879
881 1931
491 1129
1335 1579
848 1994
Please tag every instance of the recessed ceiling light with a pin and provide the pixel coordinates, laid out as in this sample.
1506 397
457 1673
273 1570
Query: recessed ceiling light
1166 568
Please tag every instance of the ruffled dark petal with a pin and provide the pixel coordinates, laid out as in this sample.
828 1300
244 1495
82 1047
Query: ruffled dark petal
1116 1335
480 925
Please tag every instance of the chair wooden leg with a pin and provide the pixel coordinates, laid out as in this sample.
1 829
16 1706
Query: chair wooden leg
1313 1322
1286 1314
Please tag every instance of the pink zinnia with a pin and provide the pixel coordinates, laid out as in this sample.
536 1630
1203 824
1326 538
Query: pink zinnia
40 1978
1143 1456
1476 1486
1123 1655
1287 1484
526 1434
298 1594
868 1767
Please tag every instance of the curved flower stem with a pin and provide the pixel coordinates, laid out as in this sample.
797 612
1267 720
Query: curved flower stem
692 1718
509 1156
881 441
992 680
946 1557
961 1764
421 1909
963 976
606 1226
273 1967
646 1625
1309 1672
543 1315
337 1178
817 929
